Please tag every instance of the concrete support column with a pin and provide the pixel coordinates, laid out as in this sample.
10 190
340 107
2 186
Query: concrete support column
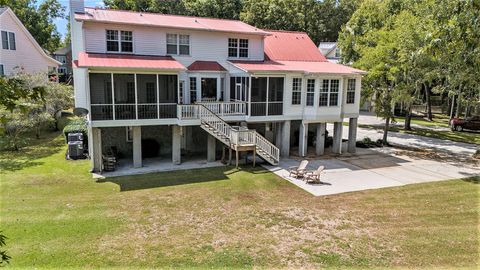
176 145
352 135
285 147
278 134
303 139
337 138
211 143
137 146
96 148
320 143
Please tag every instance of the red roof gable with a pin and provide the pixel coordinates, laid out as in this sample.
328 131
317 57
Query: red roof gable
127 61
206 66
166 20
291 46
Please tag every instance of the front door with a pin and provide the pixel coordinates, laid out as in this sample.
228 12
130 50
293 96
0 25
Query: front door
209 89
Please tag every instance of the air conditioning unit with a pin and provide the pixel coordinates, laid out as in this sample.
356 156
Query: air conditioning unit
75 137
75 150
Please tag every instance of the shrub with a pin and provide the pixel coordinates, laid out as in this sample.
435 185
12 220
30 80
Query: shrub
76 125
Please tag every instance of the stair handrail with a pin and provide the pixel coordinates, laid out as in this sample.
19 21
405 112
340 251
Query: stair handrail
226 129
267 146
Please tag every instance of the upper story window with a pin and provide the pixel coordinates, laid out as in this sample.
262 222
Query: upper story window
61 58
2 71
310 91
178 44
337 53
296 91
238 48
119 41
329 93
193 89
8 41
351 91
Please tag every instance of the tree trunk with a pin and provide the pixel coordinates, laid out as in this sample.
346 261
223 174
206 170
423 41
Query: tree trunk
429 102
457 111
385 131
408 118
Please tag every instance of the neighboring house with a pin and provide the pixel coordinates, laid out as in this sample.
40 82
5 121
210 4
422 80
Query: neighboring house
19 50
189 85
330 51
64 56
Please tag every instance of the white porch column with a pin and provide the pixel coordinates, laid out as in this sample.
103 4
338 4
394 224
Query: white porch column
320 142
137 146
303 139
96 145
176 145
285 147
211 143
352 135
337 138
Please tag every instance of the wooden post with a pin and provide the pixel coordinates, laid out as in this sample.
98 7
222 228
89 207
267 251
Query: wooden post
254 156
236 158
223 154
230 156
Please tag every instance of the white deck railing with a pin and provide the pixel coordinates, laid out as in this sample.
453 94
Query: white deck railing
190 111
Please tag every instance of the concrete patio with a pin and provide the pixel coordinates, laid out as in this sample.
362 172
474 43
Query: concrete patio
370 169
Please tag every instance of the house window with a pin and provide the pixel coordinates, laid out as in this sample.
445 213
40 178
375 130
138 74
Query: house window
122 43
178 44
351 91
61 58
2 71
238 48
8 41
310 92
333 98
323 100
129 134
193 90
181 88
297 91
62 70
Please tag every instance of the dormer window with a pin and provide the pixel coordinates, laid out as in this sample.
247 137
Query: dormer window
238 48
119 41
178 44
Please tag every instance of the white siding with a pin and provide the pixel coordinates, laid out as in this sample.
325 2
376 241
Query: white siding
204 45
26 56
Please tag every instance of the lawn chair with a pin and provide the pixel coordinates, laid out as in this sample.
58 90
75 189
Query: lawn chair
314 176
298 171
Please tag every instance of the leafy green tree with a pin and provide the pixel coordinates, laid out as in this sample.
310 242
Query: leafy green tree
39 20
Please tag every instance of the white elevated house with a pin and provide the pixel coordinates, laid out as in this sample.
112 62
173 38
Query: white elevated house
330 51
19 51
190 85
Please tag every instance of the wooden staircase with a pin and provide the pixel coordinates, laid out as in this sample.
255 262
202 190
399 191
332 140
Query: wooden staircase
237 139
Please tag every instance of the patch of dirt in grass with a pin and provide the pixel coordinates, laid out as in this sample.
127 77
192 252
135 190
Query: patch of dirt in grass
434 154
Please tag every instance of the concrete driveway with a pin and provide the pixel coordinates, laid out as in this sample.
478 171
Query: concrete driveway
370 169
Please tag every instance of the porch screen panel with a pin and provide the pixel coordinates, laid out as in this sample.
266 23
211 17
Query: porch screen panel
234 93
147 96
101 96
168 95
124 88
275 96
259 96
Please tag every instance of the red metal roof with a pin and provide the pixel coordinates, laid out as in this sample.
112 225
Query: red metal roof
296 66
166 20
206 66
127 61
291 46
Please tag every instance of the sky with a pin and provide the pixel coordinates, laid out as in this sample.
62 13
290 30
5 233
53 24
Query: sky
62 23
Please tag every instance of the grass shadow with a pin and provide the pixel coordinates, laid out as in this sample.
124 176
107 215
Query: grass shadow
28 156
166 179
473 180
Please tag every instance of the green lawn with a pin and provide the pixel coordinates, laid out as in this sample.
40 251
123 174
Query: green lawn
438 120
56 216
